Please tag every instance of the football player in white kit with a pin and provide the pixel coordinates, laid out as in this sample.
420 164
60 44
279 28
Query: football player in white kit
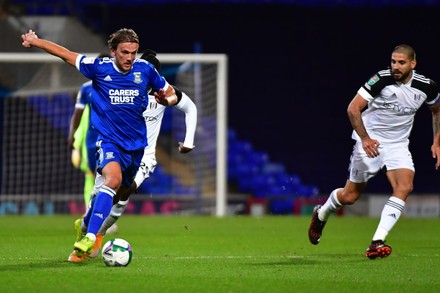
381 135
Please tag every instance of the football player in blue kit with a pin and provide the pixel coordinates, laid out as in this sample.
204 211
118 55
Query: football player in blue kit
153 115
120 85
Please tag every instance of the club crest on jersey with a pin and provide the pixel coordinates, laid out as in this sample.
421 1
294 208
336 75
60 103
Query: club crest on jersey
137 77
373 80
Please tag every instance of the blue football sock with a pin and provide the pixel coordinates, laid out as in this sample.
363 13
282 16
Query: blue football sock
101 209
86 218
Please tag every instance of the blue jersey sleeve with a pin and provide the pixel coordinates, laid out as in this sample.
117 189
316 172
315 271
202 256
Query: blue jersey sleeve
157 82
88 66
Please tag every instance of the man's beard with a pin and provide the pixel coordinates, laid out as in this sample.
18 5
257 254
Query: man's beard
403 76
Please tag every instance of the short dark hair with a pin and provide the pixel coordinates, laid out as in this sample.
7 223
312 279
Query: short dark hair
407 50
150 56
123 35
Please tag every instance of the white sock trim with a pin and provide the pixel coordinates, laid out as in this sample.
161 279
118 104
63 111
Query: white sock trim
396 200
91 236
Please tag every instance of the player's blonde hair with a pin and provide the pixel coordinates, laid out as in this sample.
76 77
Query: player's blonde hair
123 35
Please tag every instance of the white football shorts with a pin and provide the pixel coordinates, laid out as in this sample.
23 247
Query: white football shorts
394 156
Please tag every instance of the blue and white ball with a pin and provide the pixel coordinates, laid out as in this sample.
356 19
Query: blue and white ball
117 253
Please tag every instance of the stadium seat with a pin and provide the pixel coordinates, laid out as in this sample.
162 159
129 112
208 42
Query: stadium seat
54 108
254 173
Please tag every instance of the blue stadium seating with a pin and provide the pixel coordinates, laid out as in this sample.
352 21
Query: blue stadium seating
255 174
55 108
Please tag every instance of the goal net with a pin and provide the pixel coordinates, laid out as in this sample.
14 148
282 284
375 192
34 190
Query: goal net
38 93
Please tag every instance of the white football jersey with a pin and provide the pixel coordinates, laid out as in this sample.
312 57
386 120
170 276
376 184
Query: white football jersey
153 115
153 119
392 105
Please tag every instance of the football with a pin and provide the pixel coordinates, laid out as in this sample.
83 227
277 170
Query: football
117 253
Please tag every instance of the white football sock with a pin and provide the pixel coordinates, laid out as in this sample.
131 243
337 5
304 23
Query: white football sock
390 215
117 210
330 206
91 236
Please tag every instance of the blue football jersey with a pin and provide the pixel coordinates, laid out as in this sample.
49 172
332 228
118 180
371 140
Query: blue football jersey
118 99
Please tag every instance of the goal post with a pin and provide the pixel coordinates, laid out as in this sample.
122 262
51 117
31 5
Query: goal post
40 76
221 125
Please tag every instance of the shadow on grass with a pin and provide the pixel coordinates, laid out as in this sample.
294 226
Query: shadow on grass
43 264
314 260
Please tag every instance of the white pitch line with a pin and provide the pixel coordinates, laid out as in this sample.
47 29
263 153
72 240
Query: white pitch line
208 257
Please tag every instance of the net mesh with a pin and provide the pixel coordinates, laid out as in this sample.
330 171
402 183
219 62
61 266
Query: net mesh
37 174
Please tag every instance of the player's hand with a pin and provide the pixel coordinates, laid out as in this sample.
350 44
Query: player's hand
166 99
435 149
28 38
76 158
184 149
371 147
160 97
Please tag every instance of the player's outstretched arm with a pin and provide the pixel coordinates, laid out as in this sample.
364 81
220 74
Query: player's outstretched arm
30 39
187 105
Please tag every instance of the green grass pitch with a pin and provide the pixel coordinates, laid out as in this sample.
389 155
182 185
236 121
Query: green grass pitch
231 254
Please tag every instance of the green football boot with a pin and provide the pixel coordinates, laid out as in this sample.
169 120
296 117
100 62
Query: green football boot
79 233
85 245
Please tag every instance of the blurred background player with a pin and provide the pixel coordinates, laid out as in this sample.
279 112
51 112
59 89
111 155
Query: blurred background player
83 136
381 132
153 116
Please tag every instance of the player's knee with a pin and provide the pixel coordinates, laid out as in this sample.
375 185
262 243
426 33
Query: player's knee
113 181
403 189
